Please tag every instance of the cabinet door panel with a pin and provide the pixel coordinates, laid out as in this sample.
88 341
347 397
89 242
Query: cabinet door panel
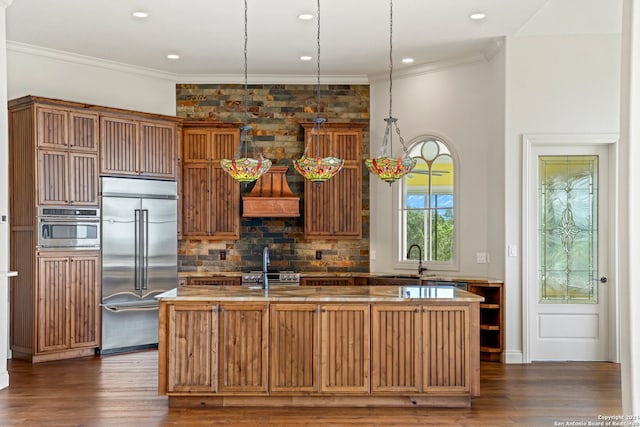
396 348
445 348
52 128
83 135
118 146
84 296
53 303
193 348
345 351
225 204
196 196
347 218
158 150
53 177
318 205
196 145
243 344
294 348
83 179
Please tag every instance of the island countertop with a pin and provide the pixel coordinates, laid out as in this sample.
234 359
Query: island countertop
290 293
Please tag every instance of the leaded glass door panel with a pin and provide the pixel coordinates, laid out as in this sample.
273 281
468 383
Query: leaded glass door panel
568 302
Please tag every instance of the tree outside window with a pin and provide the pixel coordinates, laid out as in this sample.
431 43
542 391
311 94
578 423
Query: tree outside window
427 205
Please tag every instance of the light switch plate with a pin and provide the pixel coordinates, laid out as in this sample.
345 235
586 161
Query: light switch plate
513 250
482 257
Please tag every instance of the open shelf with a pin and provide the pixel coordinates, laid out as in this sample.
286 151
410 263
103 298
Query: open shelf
491 319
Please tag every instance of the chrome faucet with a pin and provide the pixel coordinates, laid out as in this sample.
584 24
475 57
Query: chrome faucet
265 264
420 267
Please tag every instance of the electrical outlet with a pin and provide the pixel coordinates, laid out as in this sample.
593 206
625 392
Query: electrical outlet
223 255
513 250
372 255
318 254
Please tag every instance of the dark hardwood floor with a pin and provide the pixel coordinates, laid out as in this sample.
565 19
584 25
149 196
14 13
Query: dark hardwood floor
122 390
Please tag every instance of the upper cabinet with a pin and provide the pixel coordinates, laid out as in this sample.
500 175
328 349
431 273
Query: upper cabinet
333 209
209 197
134 147
63 144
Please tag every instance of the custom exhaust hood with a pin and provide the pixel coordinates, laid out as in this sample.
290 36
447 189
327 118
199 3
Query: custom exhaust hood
271 196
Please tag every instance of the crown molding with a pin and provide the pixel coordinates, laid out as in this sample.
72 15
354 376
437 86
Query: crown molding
182 78
75 58
430 67
273 79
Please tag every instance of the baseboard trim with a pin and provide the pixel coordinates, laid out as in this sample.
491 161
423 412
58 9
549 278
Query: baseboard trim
513 357
4 379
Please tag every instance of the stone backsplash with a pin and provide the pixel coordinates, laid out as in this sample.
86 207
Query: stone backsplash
275 113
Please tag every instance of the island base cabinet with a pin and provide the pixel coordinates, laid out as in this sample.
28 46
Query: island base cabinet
451 356
318 354
293 348
193 346
345 348
243 348
396 348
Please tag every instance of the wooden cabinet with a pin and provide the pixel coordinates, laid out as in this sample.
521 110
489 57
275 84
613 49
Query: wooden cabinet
491 320
209 197
345 351
243 344
67 311
326 281
333 209
130 146
447 360
67 142
396 348
294 348
412 353
193 342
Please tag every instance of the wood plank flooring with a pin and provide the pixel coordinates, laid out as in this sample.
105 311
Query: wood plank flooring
122 390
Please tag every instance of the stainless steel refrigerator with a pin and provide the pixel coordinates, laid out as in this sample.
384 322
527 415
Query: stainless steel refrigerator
139 259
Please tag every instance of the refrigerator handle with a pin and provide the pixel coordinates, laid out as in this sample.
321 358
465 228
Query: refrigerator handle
136 244
145 248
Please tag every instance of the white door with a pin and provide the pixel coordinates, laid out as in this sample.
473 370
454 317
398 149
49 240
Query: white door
568 252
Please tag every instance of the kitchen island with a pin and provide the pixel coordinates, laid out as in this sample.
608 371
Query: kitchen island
313 346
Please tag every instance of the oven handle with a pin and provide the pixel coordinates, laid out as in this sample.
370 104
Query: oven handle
70 220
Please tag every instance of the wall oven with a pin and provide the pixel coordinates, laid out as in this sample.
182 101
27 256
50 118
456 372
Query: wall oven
68 228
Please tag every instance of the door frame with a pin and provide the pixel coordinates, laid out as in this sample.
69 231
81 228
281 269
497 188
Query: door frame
531 141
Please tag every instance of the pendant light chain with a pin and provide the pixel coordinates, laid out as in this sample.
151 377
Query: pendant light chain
390 55
385 166
246 86
312 166
318 64
245 169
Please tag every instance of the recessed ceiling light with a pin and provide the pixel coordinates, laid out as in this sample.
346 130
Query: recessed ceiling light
306 58
140 14
173 56
305 16
408 60
477 16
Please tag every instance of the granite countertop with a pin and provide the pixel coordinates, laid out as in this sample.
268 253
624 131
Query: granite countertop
429 276
289 293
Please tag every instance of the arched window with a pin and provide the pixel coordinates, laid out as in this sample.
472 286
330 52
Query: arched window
427 205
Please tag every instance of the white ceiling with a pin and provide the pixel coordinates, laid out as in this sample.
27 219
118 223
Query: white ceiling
208 34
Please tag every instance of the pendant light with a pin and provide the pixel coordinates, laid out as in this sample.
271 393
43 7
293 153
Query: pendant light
244 168
312 165
385 166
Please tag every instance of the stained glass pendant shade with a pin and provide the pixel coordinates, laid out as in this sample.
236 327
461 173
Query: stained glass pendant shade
385 166
249 164
312 165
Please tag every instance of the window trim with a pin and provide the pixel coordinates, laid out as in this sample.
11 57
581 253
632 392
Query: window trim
401 264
